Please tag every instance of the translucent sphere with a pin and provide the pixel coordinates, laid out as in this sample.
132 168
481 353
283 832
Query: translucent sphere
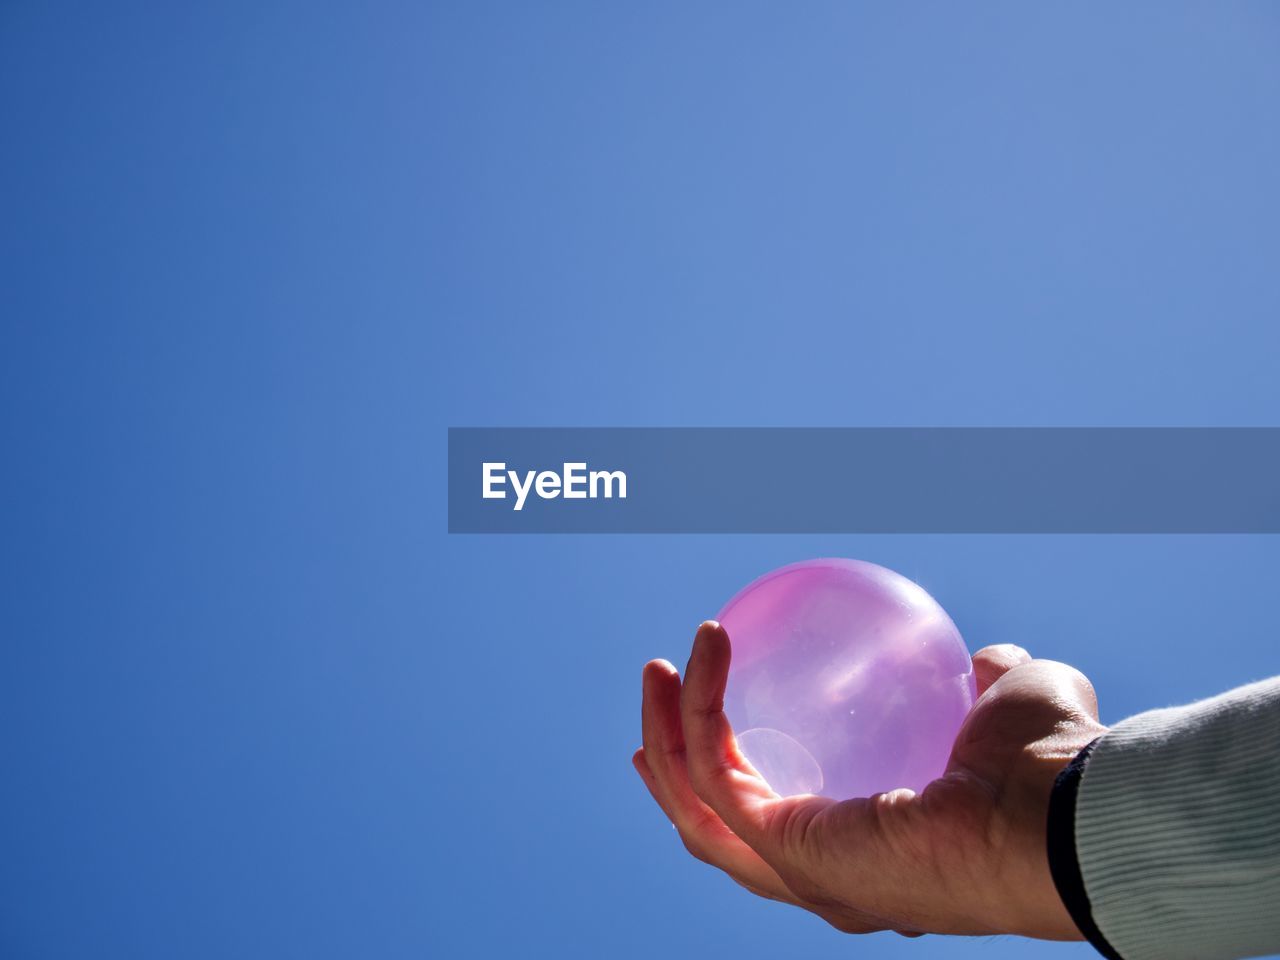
847 679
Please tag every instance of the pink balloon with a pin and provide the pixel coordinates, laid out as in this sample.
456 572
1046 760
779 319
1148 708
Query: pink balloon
847 679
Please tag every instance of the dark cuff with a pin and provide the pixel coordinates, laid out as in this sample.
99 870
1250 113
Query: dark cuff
1063 864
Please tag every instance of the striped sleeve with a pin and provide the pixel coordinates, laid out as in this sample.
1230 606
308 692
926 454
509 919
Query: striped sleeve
1174 822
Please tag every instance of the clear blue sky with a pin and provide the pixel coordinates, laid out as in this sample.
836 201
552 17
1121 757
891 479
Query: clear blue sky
255 702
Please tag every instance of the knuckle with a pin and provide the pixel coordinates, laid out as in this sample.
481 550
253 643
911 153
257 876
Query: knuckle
752 888
1003 653
792 823
1065 675
811 892
694 833
695 849
703 778
850 924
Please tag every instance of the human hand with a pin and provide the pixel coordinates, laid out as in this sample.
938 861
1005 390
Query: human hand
965 856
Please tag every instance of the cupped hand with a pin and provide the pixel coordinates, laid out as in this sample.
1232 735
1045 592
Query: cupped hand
965 856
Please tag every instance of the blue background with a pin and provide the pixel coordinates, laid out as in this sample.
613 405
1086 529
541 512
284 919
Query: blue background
254 701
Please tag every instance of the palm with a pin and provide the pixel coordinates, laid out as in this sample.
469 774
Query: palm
964 856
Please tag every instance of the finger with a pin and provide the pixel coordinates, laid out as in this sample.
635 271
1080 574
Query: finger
661 765
720 776
662 733
716 845
709 840
992 663
703 832
793 835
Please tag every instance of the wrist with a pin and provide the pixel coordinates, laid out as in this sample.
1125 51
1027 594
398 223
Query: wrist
1036 895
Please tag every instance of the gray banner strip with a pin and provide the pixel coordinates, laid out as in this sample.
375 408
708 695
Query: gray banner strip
864 480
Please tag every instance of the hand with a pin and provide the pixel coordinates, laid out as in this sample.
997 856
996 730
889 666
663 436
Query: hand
966 856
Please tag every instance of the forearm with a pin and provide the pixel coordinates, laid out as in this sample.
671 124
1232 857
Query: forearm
1165 835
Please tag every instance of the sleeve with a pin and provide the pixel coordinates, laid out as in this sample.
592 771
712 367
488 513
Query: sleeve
1164 833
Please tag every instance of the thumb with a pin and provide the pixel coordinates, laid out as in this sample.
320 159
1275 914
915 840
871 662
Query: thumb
992 663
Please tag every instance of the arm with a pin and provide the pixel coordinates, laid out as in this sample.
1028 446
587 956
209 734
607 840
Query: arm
1164 835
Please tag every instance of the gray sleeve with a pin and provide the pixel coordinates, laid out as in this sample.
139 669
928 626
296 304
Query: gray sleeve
1177 829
